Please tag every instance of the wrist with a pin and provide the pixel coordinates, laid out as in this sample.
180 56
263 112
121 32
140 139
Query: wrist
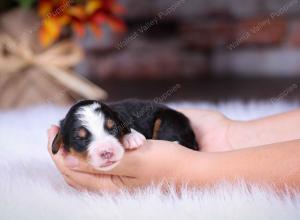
243 134
240 135
194 168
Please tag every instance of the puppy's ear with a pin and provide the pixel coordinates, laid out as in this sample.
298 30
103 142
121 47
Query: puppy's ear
57 143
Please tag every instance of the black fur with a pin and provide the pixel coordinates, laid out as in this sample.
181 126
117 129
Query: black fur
141 116
127 114
69 127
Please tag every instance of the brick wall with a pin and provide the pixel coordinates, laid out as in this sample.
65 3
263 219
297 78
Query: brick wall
192 38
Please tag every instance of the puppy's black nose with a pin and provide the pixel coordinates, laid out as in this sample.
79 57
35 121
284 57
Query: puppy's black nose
106 155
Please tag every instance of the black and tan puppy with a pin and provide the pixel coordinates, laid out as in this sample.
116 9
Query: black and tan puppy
99 132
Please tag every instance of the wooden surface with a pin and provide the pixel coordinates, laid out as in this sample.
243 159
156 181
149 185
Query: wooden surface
214 90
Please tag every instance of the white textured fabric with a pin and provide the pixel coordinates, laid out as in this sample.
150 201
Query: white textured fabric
31 187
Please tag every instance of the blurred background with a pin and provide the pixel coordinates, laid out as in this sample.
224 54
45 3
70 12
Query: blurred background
195 50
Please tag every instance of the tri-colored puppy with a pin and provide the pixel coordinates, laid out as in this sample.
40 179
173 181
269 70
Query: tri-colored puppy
99 133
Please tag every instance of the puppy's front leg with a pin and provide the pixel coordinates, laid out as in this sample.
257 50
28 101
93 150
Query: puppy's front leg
133 140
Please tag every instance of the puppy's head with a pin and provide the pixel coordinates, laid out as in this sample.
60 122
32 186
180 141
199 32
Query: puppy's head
93 131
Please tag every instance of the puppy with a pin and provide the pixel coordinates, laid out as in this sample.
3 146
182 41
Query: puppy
98 133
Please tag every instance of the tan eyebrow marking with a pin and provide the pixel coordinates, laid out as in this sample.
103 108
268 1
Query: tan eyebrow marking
82 133
110 123
156 128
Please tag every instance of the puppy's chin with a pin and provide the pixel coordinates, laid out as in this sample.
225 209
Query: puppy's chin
111 145
106 168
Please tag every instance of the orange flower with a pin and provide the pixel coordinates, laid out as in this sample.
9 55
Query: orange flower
57 14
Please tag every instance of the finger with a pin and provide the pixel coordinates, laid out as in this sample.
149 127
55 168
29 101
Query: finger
125 167
79 180
52 131
76 164
95 182
135 162
131 163
72 183
80 165
62 159
58 158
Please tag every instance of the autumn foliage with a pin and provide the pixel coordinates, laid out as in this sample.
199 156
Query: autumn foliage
79 15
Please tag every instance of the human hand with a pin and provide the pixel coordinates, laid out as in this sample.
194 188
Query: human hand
172 163
153 163
216 133
212 129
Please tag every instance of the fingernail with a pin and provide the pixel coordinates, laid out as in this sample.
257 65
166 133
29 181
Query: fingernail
71 162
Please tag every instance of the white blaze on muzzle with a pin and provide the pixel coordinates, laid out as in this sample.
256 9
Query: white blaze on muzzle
105 150
103 154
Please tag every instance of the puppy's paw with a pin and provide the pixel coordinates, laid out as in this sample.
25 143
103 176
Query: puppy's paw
133 140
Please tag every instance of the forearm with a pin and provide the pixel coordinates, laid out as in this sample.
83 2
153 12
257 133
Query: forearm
268 130
276 165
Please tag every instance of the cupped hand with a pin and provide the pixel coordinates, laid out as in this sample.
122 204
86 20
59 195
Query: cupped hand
156 162
212 129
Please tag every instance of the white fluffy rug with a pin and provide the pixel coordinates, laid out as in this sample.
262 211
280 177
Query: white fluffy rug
31 187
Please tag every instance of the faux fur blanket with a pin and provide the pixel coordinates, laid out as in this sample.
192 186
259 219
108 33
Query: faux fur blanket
31 187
